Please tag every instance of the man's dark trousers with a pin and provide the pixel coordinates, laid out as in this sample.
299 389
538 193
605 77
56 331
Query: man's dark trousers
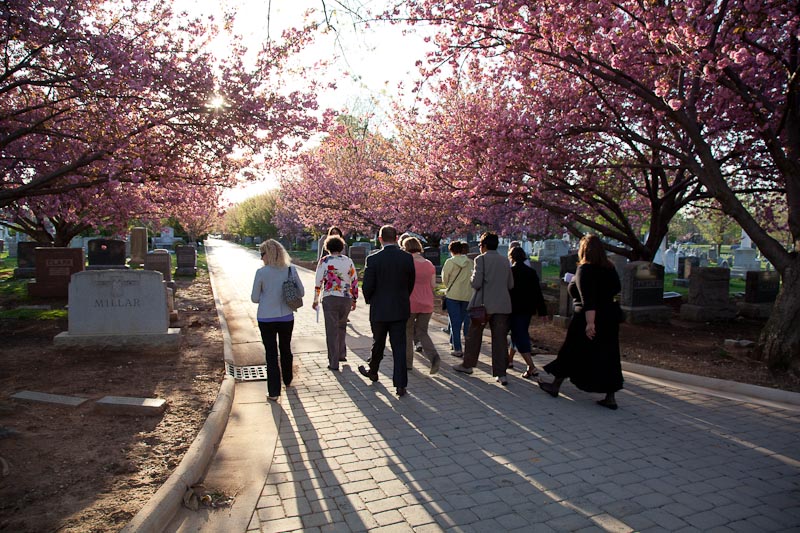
397 337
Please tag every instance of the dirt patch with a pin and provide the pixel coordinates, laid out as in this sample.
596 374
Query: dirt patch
76 470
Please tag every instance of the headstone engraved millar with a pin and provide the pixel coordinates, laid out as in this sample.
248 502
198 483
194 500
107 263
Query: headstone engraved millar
54 269
186 258
118 310
642 298
26 258
105 254
761 290
138 246
708 296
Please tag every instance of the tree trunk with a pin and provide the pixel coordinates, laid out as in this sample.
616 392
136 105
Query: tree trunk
779 344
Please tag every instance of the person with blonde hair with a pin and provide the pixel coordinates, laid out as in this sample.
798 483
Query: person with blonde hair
590 356
275 317
421 303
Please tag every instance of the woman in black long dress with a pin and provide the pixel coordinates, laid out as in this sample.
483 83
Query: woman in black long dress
589 356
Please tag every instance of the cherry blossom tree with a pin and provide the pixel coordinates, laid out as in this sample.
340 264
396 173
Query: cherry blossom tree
95 92
716 80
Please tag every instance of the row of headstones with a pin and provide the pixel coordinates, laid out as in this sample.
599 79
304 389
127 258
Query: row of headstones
643 298
43 260
53 268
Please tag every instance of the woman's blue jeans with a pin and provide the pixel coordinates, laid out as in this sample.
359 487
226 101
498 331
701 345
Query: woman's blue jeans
459 321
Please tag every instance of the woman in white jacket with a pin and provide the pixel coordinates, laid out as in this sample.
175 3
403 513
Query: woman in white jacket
275 317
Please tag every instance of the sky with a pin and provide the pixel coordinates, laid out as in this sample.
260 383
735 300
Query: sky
367 64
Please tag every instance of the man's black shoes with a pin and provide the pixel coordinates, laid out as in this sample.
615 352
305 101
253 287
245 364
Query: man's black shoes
367 374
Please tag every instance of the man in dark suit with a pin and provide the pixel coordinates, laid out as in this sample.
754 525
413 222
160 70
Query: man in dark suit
387 285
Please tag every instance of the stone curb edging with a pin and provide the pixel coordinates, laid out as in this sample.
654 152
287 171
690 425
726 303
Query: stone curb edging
714 384
161 508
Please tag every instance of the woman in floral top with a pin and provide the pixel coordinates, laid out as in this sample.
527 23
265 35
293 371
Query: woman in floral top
336 284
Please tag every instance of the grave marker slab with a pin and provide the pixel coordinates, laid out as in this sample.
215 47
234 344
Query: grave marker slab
761 290
708 296
138 246
118 310
161 261
105 254
642 296
26 258
569 263
358 254
54 269
186 258
431 253
744 261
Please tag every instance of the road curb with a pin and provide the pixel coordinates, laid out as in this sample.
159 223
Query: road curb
744 390
161 508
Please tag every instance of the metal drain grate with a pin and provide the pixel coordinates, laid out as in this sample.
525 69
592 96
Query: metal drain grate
247 373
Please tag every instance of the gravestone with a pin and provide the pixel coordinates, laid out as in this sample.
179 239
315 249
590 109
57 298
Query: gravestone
685 266
642 296
138 246
552 250
431 253
26 258
619 262
118 310
537 266
358 254
712 254
744 261
54 269
569 263
13 248
708 298
161 261
106 254
670 261
186 258
761 289
566 306
2 246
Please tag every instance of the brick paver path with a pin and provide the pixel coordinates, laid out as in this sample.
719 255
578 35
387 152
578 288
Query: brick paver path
462 453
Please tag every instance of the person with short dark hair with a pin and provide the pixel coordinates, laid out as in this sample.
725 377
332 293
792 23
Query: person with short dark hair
526 299
336 285
491 280
590 355
333 230
456 274
389 277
